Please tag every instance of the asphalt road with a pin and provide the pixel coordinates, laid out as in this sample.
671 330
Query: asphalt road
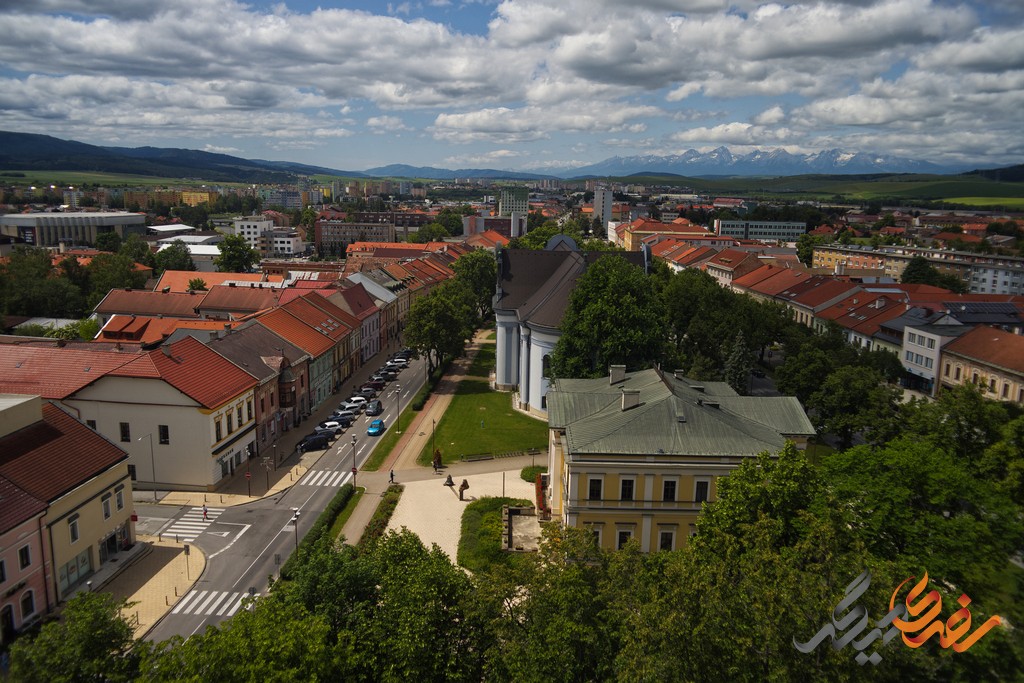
245 545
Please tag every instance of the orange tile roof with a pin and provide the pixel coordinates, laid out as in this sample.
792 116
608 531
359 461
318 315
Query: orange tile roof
54 372
144 302
991 346
178 280
286 325
320 301
192 368
332 326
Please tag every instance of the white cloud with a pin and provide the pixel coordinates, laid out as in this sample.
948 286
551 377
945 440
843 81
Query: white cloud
217 149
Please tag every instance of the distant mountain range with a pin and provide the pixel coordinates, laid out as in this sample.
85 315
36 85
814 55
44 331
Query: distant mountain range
26 151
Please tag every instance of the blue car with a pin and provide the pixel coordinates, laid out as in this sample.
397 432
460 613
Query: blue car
376 428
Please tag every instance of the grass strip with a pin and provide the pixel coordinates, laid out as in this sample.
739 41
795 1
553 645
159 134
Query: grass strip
480 542
341 520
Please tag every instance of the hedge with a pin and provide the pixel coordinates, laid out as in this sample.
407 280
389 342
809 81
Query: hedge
379 522
317 531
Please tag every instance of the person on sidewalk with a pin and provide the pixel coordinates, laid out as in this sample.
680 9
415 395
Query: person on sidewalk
391 478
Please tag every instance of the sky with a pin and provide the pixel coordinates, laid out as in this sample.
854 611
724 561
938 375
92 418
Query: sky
519 84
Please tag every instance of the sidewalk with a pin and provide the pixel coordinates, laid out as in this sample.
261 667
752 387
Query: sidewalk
415 437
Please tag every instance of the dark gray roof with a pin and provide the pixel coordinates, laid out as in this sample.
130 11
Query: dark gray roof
984 312
257 350
676 416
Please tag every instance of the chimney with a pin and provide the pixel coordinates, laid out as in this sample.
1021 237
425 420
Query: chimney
616 374
166 290
166 348
630 398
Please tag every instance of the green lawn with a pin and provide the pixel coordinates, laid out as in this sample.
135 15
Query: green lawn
480 541
484 362
482 421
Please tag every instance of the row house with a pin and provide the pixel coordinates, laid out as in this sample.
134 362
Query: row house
988 357
634 456
680 255
281 370
729 264
375 282
336 324
180 280
232 302
356 301
67 509
162 304
317 345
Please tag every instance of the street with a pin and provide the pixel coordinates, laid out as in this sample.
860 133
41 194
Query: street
244 545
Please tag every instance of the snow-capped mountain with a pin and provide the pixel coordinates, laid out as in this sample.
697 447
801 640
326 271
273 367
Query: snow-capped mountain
721 161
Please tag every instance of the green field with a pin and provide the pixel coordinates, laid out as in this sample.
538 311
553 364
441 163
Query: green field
1007 202
79 178
482 421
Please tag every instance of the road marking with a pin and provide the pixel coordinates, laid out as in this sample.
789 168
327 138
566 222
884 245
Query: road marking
325 478
210 603
287 527
191 524
245 528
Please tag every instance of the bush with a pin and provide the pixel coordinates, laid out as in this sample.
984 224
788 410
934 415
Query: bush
319 528
480 542
379 522
530 473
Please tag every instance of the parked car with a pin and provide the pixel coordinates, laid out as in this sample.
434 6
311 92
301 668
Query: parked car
367 392
333 425
376 428
389 374
353 406
356 398
345 417
398 363
375 384
374 407
315 442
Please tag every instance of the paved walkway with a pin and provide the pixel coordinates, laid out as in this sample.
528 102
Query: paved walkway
155 580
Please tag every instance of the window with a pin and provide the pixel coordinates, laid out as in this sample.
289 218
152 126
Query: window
126 433
974 377
106 506
165 434
928 363
3 571
217 430
626 489
666 540
263 405
701 487
594 492
271 399
248 409
623 538
931 343
24 557
91 424
946 371
231 423
239 416
73 528
131 472
1006 389
992 385
668 493
119 498
910 356
28 605
957 375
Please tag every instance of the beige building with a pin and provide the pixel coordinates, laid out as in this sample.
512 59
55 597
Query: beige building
635 455
988 357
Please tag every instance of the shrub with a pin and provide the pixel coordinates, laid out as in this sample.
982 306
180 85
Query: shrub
379 522
530 473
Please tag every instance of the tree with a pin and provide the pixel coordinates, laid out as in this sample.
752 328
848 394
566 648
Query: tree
197 284
137 249
802 373
431 232
439 324
236 256
853 400
108 241
739 364
479 270
176 256
91 642
615 316
112 271
920 271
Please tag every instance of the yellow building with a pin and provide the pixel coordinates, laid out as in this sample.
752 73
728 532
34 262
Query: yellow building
634 455
195 198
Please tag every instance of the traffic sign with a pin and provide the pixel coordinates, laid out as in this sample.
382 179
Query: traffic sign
248 475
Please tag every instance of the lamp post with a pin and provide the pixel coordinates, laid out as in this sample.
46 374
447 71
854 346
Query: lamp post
398 418
433 425
295 521
275 456
354 442
152 461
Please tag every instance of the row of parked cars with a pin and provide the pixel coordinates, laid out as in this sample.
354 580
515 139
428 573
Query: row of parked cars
364 400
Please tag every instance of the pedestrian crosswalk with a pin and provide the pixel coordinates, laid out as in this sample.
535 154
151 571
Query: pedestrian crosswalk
192 524
210 603
325 478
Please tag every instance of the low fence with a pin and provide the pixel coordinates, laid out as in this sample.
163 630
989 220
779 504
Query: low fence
473 457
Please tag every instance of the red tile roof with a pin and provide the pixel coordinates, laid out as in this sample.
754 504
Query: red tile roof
144 302
333 326
55 455
19 505
54 372
238 301
178 280
297 332
193 369
991 346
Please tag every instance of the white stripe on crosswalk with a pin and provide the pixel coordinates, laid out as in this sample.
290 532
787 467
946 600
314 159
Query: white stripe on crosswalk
326 478
207 603
191 524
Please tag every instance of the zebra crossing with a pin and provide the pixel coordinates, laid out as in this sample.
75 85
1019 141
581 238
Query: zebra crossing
326 478
210 603
192 524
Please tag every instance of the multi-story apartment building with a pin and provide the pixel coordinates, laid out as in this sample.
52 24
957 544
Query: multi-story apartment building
763 231
635 455
513 200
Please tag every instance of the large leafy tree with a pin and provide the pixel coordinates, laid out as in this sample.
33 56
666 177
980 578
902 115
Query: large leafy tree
615 316
137 249
855 400
112 271
479 271
108 241
236 256
91 642
174 257
439 324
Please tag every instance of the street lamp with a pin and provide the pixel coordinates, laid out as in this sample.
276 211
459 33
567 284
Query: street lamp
433 449
354 442
152 461
275 456
398 419
295 521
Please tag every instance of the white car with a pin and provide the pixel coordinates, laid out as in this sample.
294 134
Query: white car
361 400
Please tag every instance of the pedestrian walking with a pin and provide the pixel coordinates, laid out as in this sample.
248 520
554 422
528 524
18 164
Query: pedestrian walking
392 478
204 512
